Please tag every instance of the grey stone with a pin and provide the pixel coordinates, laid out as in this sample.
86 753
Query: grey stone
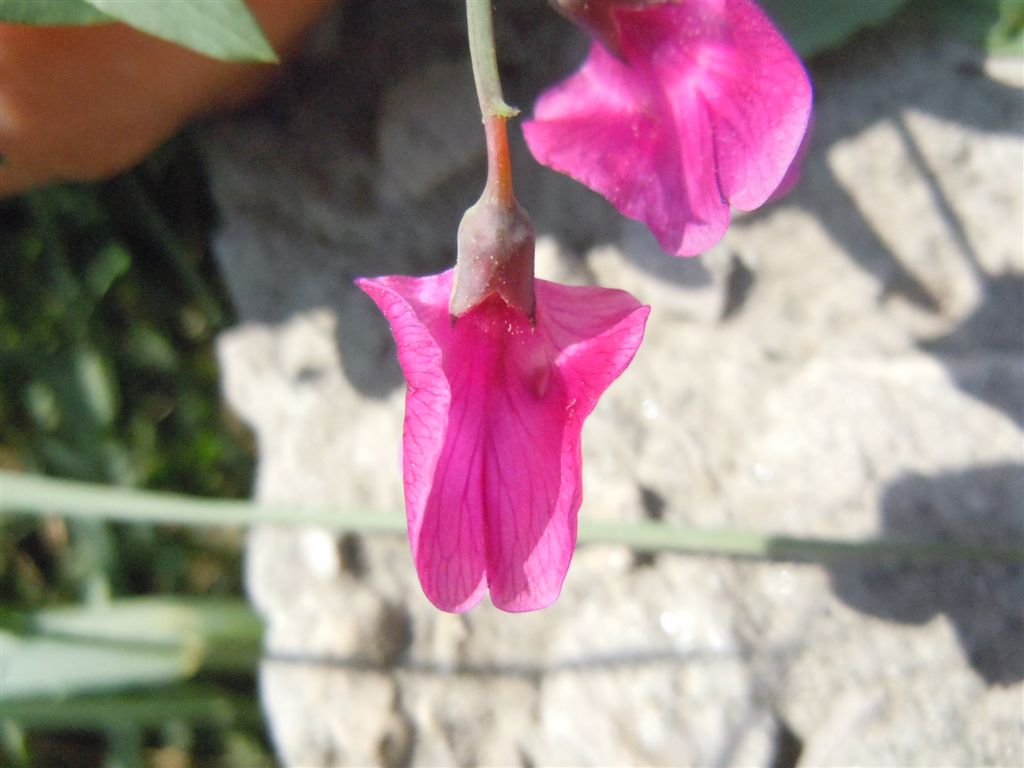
847 363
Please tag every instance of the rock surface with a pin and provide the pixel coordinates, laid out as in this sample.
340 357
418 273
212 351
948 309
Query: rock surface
848 362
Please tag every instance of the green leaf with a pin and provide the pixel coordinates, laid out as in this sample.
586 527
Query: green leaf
224 29
96 386
12 741
126 644
51 13
149 350
998 25
110 263
1007 35
812 26
53 666
41 404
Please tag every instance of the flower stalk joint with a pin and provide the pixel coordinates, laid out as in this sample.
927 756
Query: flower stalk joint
496 237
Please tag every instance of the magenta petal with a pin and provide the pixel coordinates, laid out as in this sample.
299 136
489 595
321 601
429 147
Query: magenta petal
494 411
706 109
453 584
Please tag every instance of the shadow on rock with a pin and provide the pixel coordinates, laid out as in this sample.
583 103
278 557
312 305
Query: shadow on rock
952 87
368 355
985 353
983 600
625 660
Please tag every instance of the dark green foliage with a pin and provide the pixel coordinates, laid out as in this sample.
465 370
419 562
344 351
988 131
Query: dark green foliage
109 303
108 308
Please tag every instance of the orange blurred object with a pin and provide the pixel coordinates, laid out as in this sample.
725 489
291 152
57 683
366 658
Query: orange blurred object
83 103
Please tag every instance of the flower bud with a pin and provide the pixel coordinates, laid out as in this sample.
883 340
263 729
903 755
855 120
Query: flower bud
495 256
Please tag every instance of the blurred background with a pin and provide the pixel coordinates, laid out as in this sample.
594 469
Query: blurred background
135 644
110 305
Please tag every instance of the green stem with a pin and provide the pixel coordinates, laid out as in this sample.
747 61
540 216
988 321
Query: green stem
493 108
42 495
485 61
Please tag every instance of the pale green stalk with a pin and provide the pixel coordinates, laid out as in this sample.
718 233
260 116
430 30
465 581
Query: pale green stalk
493 109
33 494
485 60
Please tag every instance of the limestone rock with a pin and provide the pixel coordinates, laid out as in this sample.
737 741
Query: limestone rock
847 363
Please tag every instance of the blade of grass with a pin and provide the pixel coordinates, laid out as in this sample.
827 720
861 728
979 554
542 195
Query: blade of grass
129 643
34 494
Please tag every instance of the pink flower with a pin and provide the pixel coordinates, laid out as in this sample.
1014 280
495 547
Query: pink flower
493 415
703 106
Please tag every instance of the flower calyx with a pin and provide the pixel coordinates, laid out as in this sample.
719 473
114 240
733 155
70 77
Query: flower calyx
496 244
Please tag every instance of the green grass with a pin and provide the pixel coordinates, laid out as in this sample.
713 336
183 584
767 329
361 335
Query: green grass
109 304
